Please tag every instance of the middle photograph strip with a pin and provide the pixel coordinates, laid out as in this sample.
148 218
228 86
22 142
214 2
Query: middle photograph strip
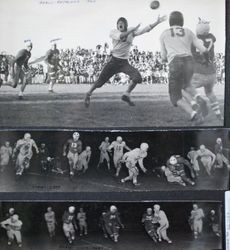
83 161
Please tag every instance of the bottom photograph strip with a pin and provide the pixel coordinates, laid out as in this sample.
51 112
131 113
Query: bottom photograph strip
107 226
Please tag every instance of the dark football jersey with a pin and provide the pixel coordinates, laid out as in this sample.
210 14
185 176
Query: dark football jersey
22 58
52 57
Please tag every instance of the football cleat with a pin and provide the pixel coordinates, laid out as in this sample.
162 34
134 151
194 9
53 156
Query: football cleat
87 100
126 99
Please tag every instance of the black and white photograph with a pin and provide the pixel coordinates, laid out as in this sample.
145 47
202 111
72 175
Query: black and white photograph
114 64
99 161
108 226
227 220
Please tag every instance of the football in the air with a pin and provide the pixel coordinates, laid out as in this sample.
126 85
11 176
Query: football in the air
154 5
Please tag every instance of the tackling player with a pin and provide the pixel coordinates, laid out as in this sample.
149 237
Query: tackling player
6 152
122 39
69 224
118 151
206 157
53 63
50 221
164 223
13 228
196 220
81 217
133 157
24 149
176 45
205 69
104 155
74 147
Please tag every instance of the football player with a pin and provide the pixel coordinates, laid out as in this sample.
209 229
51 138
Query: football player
214 223
191 156
176 45
20 71
6 152
164 223
81 217
53 63
13 228
4 68
196 220
118 151
150 223
113 223
84 159
206 157
172 177
74 147
220 157
69 224
133 157
104 155
50 221
24 152
204 69
122 39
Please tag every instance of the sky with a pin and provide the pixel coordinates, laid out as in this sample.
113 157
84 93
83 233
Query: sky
87 23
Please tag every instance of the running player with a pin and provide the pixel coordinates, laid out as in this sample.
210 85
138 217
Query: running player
81 217
133 157
24 150
50 221
6 152
150 223
104 155
84 159
122 38
113 223
53 63
118 151
196 220
69 224
220 157
176 45
164 223
206 157
205 69
74 147
13 228
20 68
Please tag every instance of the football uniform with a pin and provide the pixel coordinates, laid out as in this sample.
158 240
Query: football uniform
104 147
112 224
68 224
5 154
197 220
172 178
150 224
164 225
83 161
52 58
81 217
176 45
192 157
13 230
118 152
220 157
50 221
206 157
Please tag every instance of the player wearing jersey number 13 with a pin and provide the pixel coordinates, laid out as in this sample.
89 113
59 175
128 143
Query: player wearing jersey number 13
122 39
176 45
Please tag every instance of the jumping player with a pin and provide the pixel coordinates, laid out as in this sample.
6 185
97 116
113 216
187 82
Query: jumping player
164 223
50 221
104 155
220 157
6 152
53 63
122 38
196 220
118 147
150 223
176 45
81 217
206 157
13 228
204 69
24 149
113 223
133 157
74 147
69 224
20 68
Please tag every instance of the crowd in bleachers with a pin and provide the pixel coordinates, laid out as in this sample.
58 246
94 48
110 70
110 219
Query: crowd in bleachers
84 66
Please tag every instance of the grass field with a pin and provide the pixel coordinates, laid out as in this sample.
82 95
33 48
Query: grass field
65 108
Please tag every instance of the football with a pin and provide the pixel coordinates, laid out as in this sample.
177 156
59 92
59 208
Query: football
154 5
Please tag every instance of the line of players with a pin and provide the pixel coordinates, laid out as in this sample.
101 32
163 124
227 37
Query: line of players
154 220
179 47
78 159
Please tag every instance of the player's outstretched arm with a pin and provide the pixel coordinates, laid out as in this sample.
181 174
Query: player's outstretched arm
124 35
148 28
140 161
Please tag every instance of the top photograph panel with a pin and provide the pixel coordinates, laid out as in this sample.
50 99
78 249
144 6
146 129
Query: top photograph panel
112 64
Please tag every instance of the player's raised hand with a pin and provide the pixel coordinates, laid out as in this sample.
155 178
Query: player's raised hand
161 19
137 27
